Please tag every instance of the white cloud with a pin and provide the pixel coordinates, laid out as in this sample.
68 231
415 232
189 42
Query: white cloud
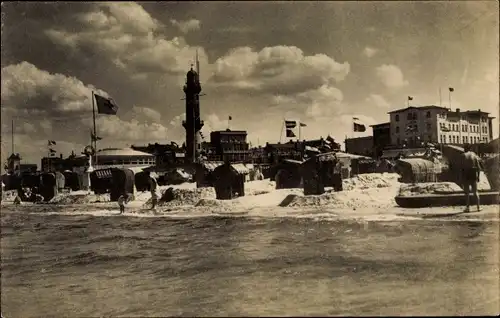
124 35
116 129
377 100
186 26
391 76
214 122
277 70
31 91
145 113
369 52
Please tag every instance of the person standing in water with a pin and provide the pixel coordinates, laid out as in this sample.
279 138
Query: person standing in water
153 186
122 200
471 168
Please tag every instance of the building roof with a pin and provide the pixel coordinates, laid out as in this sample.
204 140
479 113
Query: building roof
359 138
380 125
417 107
122 152
211 165
229 132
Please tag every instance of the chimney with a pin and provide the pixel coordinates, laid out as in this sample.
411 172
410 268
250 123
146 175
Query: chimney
60 155
458 110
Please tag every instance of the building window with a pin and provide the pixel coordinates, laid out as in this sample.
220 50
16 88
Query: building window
428 115
409 116
397 129
429 126
397 117
398 141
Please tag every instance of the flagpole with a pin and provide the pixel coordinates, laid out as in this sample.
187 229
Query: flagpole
440 100
12 135
95 130
449 97
282 127
299 130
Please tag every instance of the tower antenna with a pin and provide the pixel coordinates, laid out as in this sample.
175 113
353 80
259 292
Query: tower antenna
197 64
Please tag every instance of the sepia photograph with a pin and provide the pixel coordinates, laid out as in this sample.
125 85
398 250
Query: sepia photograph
250 158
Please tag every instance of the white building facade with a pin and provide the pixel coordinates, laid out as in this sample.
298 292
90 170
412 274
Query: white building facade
413 126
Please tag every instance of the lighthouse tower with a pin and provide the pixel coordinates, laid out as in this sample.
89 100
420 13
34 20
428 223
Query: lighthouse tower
193 122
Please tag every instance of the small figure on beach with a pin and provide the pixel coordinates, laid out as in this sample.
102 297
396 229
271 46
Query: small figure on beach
153 187
122 200
471 169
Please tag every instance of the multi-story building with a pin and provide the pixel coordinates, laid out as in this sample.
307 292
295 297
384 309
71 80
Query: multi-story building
412 126
229 145
165 154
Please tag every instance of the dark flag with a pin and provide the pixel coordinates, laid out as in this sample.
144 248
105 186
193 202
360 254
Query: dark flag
302 125
94 137
51 143
290 124
410 98
451 89
359 127
289 133
105 105
230 118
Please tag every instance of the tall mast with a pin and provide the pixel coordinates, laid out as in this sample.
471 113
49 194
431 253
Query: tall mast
12 133
197 64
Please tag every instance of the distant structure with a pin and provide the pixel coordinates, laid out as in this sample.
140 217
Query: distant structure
411 126
193 122
229 145
14 164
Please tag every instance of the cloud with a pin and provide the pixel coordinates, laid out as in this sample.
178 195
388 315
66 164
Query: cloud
391 76
58 107
117 129
145 113
214 122
276 70
28 90
124 34
369 52
378 100
187 25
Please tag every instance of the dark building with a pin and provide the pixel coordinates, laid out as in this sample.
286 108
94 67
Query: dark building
193 122
165 154
14 164
60 164
381 138
229 145
362 146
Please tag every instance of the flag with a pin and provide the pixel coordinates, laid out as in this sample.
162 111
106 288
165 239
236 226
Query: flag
105 105
52 150
302 125
289 133
51 143
94 137
359 127
290 124
410 98
230 118
451 89
355 118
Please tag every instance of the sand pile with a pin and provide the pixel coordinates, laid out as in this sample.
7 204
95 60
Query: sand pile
180 197
79 198
376 198
438 187
9 195
427 188
366 190
370 181
216 205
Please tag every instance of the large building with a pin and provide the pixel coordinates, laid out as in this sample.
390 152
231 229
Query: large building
123 158
229 145
412 126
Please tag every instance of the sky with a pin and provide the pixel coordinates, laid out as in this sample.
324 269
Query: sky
320 62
